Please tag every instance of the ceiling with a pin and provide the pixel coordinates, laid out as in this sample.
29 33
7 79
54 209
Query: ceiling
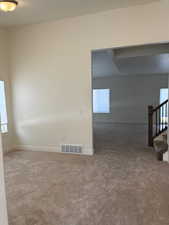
152 59
36 11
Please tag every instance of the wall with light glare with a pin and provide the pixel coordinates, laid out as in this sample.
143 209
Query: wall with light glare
4 75
51 71
7 138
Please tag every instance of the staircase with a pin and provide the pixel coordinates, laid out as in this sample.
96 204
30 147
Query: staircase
157 127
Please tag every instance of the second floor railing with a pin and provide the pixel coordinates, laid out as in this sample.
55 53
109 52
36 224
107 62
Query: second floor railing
157 121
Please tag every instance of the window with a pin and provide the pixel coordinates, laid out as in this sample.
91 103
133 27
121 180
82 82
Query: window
101 100
3 113
163 98
163 95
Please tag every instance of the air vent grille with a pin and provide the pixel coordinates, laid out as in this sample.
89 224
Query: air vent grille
71 149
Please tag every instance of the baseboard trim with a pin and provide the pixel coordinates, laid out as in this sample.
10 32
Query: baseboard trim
116 123
86 151
8 150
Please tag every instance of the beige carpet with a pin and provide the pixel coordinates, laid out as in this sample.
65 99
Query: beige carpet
122 184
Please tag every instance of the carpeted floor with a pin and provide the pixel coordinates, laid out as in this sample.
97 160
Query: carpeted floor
122 184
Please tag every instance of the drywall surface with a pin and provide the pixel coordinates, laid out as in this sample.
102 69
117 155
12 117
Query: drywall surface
4 75
130 97
166 155
7 140
51 71
3 207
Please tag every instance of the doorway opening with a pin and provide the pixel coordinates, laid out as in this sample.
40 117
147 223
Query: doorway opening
125 81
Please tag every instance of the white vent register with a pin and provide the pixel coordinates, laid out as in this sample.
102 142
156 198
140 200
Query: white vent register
77 149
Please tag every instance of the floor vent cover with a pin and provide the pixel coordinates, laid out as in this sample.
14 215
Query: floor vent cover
71 149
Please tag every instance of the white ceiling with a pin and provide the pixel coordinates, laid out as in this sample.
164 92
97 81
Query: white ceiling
36 11
131 61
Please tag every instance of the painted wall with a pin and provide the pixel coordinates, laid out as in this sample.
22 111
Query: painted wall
130 97
166 155
3 206
6 137
51 71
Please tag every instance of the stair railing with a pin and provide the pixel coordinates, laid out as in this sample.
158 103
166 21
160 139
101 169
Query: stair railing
157 121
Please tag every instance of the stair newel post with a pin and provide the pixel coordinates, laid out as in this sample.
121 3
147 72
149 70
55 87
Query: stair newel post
150 125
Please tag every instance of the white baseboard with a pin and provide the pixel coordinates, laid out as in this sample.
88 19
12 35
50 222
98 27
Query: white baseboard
117 123
8 150
85 151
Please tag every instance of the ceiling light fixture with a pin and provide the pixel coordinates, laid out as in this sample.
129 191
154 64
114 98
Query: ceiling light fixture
8 5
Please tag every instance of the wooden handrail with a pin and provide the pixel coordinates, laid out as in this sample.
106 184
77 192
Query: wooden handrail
159 106
157 121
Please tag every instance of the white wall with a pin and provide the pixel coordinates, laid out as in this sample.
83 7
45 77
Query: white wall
6 138
166 155
4 75
3 207
51 71
130 96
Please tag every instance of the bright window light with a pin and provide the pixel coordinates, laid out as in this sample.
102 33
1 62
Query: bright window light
3 112
163 98
163 95
101 100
